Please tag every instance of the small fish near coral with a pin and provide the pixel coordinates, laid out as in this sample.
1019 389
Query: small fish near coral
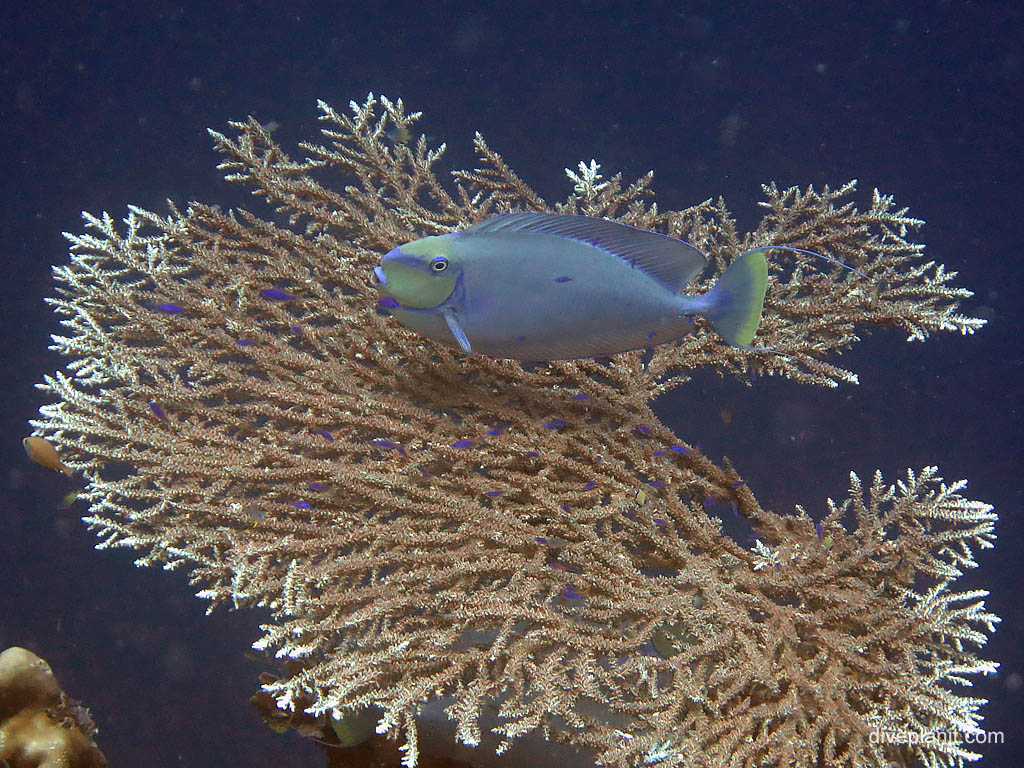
549 286
44 454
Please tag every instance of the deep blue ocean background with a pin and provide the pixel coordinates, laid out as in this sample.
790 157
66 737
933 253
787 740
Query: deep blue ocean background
108 103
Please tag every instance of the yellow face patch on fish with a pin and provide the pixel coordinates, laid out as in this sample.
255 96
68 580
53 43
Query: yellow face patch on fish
418 275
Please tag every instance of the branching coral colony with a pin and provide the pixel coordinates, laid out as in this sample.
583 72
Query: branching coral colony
425 525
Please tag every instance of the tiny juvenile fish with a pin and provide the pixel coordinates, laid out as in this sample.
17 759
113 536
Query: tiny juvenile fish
45 455
548 286
400 134
68 499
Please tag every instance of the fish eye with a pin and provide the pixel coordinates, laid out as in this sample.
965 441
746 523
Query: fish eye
438 264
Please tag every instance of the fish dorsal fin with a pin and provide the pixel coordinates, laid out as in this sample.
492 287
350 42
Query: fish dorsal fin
671 262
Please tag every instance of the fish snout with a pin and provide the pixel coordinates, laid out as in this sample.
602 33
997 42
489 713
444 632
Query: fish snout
378 279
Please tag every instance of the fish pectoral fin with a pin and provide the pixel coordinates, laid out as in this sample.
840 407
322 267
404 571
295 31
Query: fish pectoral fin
457 332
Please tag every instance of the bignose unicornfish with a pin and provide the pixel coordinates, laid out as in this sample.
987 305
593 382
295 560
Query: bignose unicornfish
548 286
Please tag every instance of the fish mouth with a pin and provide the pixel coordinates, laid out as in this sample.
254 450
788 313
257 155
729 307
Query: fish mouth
378 279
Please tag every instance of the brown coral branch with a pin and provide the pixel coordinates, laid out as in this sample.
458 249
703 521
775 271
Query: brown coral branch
525 540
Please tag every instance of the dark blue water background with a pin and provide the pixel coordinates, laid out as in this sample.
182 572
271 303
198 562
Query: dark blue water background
104 104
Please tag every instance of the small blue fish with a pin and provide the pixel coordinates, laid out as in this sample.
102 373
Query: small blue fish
272 294
497 288
169 309
388 445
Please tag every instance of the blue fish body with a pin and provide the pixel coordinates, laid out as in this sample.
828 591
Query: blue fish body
544 286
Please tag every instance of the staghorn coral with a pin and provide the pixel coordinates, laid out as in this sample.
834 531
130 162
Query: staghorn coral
428 527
